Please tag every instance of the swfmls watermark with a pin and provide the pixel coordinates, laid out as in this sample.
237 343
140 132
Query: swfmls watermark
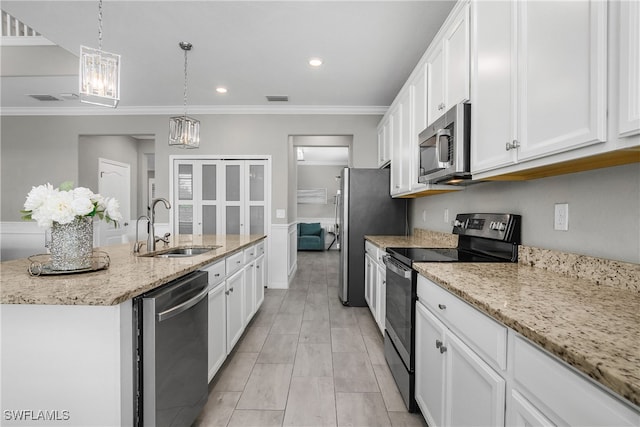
36 415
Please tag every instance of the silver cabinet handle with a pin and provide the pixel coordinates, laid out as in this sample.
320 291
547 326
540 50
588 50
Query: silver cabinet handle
438 343
226 292
230 289
512 145
216 275
443 349
238 262
442 306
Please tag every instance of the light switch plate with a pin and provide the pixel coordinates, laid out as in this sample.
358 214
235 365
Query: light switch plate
280 213
561 217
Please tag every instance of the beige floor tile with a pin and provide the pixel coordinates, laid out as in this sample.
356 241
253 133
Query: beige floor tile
375 348
405 419
316 311
253 339
368 325
315 331
313 360
279 349
218 409
361 410
267 387
352 372
347 340
253 418
390 393
264 318
286 324
311 402
235 372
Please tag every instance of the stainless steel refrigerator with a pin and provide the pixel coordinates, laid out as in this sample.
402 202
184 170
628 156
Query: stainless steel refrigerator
365 208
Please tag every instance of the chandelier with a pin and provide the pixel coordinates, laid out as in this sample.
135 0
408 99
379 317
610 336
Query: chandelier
99 73
184 131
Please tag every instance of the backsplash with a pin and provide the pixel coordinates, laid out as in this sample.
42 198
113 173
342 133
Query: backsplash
622 275
445 240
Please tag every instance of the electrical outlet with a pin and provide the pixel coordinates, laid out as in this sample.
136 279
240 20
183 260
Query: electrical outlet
424 216
446 216
561 217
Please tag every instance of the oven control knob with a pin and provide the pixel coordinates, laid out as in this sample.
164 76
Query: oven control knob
502 226
458 223
492 225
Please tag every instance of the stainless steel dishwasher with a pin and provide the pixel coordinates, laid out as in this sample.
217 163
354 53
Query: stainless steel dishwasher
171 374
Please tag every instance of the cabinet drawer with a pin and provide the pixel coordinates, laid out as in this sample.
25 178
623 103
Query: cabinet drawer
381 255
483 334
250 253
234 262
260 249
566 396
217 272
371 249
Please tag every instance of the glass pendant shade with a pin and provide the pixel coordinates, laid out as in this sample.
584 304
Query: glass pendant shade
184 132
99 77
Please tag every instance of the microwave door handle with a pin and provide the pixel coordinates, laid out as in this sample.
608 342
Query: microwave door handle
439 135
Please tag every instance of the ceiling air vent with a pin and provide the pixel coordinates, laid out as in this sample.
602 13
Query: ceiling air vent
277 98
45 98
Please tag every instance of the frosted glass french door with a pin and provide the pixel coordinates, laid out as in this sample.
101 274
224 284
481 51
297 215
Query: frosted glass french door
197 196
245 196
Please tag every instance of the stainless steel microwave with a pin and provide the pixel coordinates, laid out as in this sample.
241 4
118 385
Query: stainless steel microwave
445 148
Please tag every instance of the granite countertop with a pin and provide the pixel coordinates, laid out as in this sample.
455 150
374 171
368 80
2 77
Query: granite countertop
127 276
584 310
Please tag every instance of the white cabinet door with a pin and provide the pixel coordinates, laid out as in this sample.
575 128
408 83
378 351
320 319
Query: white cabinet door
249 305
435 84
629 74
419 114
196 201
493 91
397 113
475 392
217 333
430 366
259 281
235 315
381 312
457 58
369 276
383 143
562 76
522 413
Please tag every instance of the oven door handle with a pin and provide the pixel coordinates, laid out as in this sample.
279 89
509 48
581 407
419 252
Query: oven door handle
397 268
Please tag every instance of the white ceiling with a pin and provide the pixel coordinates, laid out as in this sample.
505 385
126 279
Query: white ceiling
254 48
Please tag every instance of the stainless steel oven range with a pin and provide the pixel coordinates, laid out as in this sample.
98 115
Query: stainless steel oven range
481 238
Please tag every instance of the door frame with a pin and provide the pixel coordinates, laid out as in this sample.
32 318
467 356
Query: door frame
102 226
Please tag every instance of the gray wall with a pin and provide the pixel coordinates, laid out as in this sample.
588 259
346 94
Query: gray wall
40 149
313 177
604 207
120 148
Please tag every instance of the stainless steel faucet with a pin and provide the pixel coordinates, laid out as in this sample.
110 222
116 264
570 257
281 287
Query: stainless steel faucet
138 244
152 239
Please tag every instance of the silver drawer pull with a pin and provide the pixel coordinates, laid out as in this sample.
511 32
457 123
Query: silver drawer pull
216 275
443 349
438 343
442 306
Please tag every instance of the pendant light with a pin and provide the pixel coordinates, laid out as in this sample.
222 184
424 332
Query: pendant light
184 132
99 73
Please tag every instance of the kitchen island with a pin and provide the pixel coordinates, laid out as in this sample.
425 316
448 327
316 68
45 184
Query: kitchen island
67 340
582 310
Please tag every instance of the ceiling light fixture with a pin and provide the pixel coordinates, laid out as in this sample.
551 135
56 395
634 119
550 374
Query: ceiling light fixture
99 73
184 132
315 62
221 89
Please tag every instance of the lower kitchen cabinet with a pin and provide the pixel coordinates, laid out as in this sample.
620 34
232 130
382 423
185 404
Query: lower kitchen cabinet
249 306
454 386
259 281
375 283
235 313
217 329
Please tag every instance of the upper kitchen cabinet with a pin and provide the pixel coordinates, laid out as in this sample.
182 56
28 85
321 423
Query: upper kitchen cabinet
448 65
629 73
402 142
539 85
384 143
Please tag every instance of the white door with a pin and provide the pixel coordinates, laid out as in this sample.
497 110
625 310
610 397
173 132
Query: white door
114 180
235 319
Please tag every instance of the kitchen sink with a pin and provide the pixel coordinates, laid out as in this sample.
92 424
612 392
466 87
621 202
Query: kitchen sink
181 252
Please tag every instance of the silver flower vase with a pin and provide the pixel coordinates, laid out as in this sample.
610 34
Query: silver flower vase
72 244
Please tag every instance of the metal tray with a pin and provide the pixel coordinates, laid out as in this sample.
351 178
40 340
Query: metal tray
41 265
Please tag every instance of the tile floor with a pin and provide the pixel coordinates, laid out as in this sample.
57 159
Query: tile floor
306 360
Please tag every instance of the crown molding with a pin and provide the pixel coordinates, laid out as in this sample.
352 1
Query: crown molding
194 110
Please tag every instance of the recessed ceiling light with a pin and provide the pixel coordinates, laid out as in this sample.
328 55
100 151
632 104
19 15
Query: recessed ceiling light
221 89
315 62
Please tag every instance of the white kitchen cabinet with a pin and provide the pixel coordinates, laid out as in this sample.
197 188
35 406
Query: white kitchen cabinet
217 332
220 196
249 305
235 313
454 386
369 278
260 280
544 94
558 392
375 283
402 142
629 71
523 414
448 61
381 309
384 151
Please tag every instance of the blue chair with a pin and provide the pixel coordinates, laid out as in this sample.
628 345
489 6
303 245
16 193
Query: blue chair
310 237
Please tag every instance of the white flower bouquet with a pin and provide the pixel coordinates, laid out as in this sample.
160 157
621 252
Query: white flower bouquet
62 205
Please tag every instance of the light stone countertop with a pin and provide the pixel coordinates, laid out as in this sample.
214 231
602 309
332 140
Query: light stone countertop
127 276
584 310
